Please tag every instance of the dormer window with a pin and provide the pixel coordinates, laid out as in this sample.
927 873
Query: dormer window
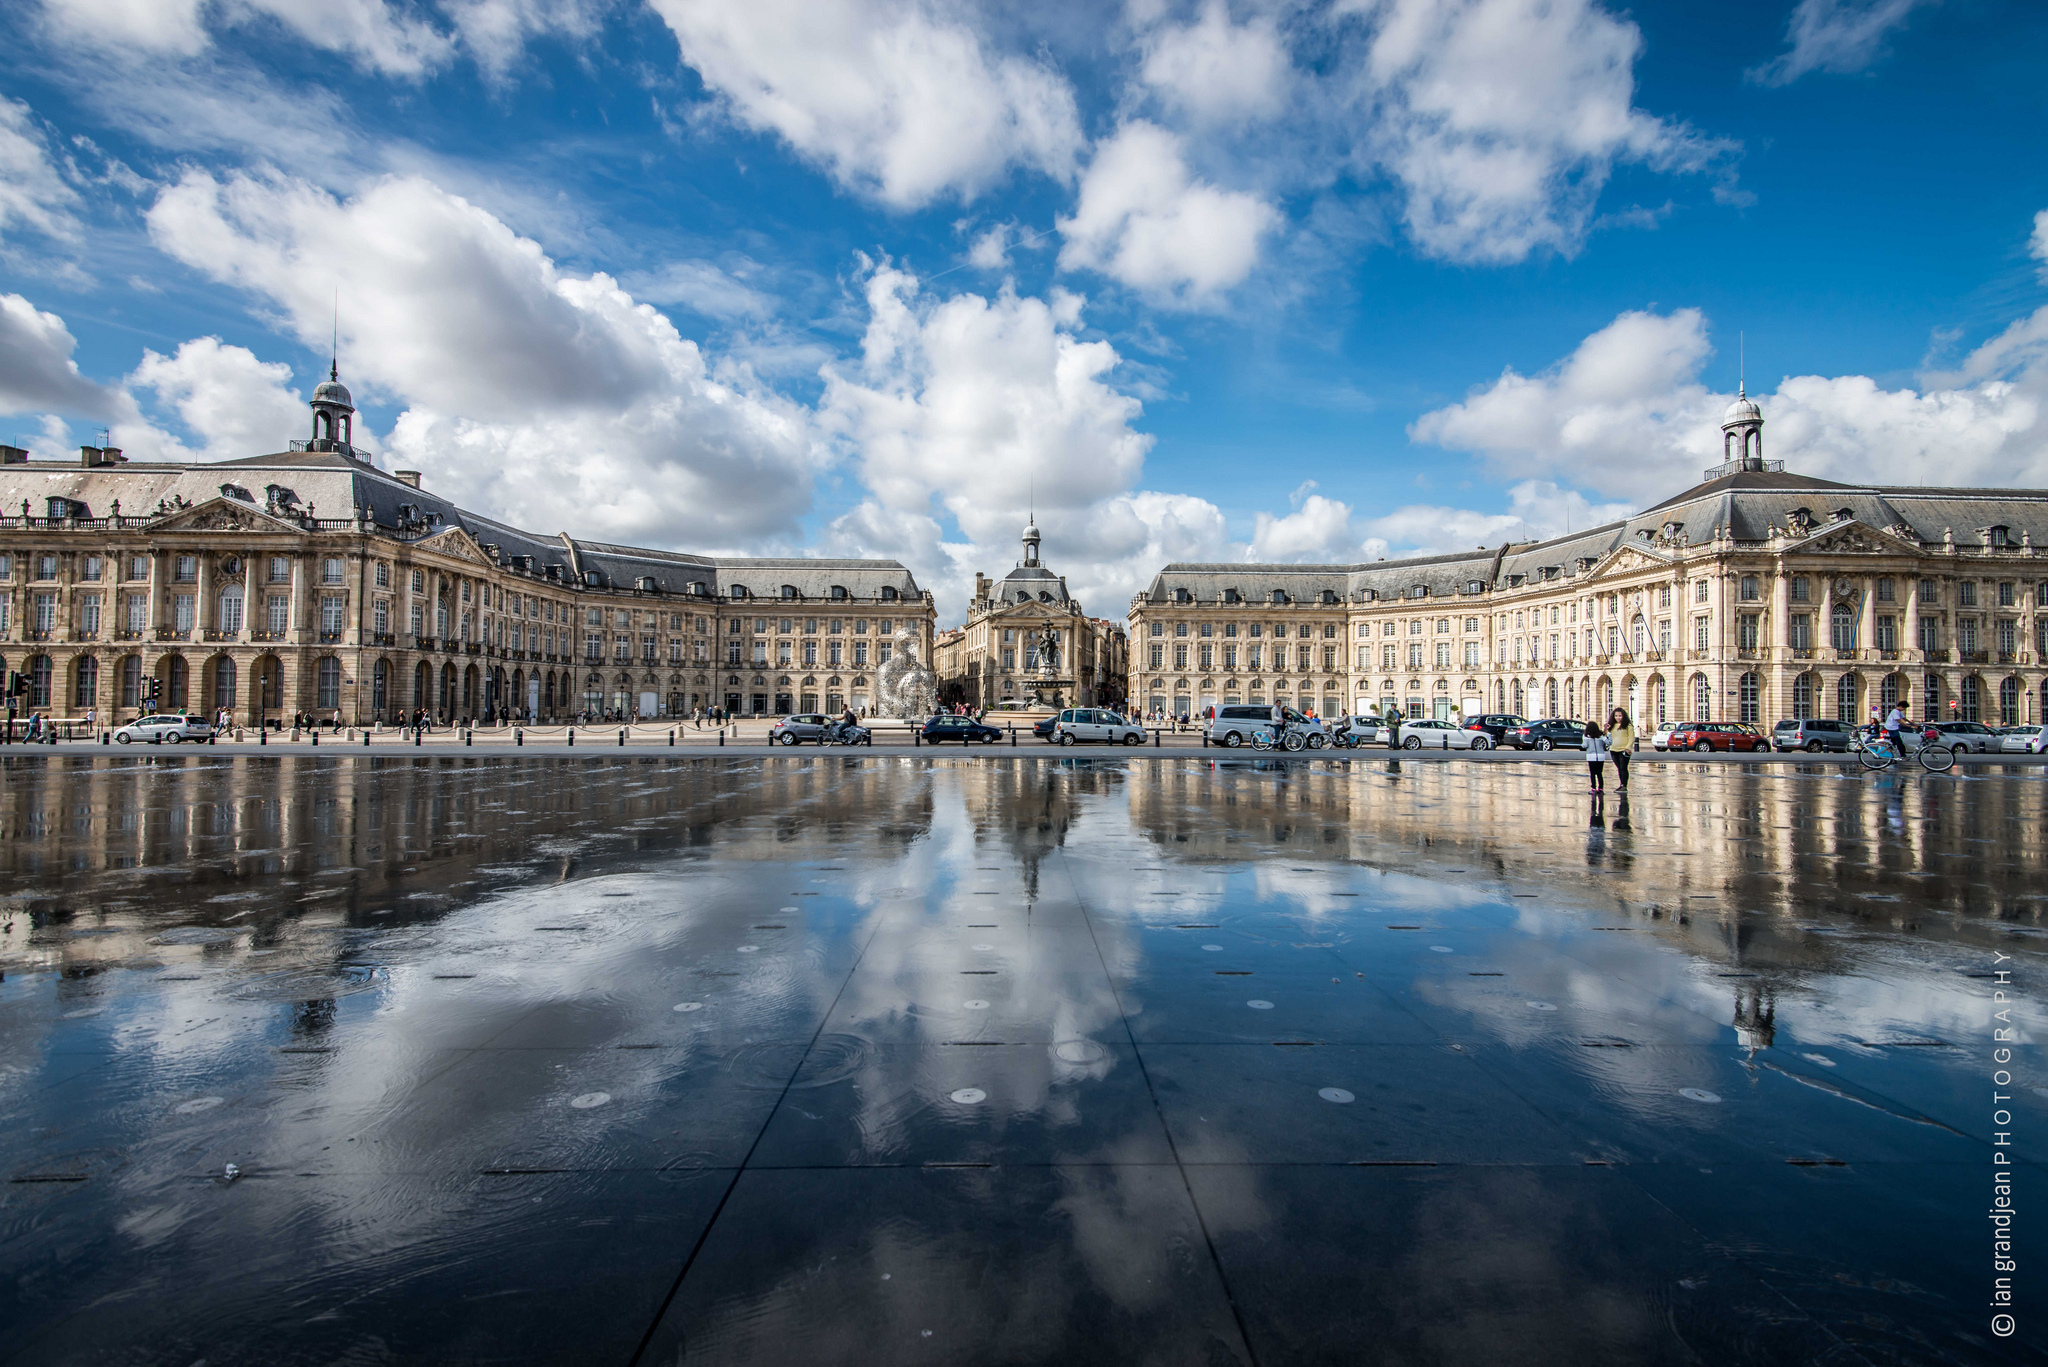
839 592
737 591
1279 595
888 593
1230 596
1998 536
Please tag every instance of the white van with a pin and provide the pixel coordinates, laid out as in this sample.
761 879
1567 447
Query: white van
1234 723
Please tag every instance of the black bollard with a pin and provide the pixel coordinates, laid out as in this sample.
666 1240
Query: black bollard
721 735
622 737
671 739
316 740
366 740
1013 735
1155 739
416 737
572 738
519 736
468 736
916 738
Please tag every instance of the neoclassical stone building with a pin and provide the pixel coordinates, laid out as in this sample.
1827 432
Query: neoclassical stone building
313 581
994 656
1755 595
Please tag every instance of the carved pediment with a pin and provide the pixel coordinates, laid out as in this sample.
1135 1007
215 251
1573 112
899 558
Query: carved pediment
458 543
224 515
1626 560
1854 538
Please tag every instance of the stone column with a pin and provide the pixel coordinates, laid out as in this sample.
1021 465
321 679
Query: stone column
202 605
1866 620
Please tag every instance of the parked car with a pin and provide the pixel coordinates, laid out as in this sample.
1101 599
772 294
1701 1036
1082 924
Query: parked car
1972 737
1096 724
1427 733
1042 728
1660 739
1548 733
1234 723
962 729
1495 725
2026 740
806 726
1814 735
166 729
1718 735
1358 730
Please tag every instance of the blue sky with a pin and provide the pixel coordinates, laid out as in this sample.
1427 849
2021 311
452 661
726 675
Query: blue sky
1207 280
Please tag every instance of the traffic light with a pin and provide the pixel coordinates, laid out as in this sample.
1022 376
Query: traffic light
151 691
16 684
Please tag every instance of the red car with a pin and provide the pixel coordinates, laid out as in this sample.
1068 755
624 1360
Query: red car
1719 735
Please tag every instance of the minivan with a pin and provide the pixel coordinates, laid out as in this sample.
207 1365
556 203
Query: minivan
1234 723
1813 735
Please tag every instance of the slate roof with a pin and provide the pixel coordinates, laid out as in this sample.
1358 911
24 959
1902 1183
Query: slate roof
1749 503
334 485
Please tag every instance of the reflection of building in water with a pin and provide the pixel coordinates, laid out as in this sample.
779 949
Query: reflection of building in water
1726 857
115 848
1755 595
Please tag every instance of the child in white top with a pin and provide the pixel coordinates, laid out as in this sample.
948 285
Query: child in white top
1596 756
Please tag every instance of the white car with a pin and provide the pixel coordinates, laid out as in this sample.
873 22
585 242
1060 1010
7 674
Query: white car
1096 724
2029 740
167 729
1428 733
1660 739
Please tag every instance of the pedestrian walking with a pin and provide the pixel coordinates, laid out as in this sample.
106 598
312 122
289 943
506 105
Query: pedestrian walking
1596 756
1621 740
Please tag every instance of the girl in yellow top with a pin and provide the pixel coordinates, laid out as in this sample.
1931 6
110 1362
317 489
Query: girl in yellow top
1621 739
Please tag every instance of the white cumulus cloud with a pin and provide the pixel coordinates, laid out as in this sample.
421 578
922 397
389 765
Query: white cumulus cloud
1627 414
1501 120
236 404
1145 220
541 396
898 99
37 374
1213 68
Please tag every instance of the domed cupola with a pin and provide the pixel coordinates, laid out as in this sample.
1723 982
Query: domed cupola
334 415
1031 544
1742 433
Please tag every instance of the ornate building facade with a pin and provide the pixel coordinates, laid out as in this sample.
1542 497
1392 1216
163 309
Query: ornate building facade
1000 653
313 581
1753 596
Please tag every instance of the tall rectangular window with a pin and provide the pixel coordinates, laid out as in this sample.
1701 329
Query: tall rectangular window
281 571
181 612
46 612
138 612
1746 631
333 610
381 614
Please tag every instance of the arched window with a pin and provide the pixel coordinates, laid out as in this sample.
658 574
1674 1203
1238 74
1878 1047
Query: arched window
1640 631
1844 627
380 685
2009 702
1658 690
39 682
223 682
131 681
1571 698
86 683
1702 698
1848 692
230 615
175 678
1971 696
1551 693
1749 697
1802 698
1891 692
328 674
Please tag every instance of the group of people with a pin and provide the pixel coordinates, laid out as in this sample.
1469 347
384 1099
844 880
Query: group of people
1615 741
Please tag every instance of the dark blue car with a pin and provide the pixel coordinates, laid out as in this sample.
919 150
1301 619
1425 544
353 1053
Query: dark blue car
962 729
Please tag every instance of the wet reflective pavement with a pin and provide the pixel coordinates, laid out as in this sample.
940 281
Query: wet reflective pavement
1175 1059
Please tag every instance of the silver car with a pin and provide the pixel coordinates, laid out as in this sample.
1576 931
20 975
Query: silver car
1427 733
2025 740
1096 724
165 729
1234 724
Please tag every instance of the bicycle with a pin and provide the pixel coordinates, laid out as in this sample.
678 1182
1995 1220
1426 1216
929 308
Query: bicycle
1880 753
1291 741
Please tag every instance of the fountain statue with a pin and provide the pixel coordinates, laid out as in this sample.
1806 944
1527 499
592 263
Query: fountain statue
904 688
